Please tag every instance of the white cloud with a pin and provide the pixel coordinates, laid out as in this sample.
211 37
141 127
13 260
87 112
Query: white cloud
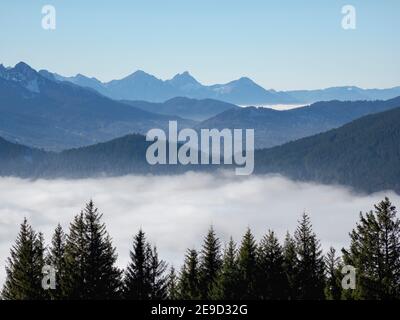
176 211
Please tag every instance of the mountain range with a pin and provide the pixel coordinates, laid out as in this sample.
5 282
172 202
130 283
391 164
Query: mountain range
38 110
244 91
143 86
56 115
363 154
273 127
187 108
118 157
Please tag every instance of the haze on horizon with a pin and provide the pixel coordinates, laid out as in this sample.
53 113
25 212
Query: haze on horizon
279 44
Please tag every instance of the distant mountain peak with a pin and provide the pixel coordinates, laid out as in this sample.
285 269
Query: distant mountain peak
139 72
185 74
81 76
22 64
139 75
245 79
24 75
242 81
183 79
23 68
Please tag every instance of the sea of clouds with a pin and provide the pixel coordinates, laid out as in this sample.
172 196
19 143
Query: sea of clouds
176 211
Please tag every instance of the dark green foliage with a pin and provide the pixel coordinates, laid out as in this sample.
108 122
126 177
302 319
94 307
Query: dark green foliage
274 128
290 263
90 259
172 285
137 278
247 264
271 278
189 282
85 263
363 154
333 288
309 278
227 285
24 267
375 253
56 259
210 264
145 277
75 259
158 279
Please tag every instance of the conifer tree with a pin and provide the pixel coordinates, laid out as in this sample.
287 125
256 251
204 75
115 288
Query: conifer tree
172 285
73 278
210 264
310 279
247 264
56 259
189 282
271 280
158 279
333 289
137 282
290 263
90 259
24 267
375 253
227 286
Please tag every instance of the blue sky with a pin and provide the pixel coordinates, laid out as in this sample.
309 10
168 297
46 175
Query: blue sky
281 44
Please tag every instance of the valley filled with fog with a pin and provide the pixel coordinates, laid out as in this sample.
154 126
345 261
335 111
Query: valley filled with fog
176 211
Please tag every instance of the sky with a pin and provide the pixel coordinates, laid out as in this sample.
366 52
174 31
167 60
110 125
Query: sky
280 44
185 207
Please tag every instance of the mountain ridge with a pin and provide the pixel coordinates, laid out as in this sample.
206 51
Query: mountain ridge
363 154
44 113
242 91
276 127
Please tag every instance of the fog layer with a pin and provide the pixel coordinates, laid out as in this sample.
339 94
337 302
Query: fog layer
176 211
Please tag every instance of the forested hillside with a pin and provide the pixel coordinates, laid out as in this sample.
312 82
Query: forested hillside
363 154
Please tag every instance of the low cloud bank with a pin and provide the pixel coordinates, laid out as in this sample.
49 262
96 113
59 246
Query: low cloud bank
176 211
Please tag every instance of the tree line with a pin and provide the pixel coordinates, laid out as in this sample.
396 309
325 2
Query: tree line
297 269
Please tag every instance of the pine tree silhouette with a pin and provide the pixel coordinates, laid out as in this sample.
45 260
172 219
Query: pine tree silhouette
24 267
375 253
247 263
210 264
90 271
227 285
310 278
271 280
189 281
